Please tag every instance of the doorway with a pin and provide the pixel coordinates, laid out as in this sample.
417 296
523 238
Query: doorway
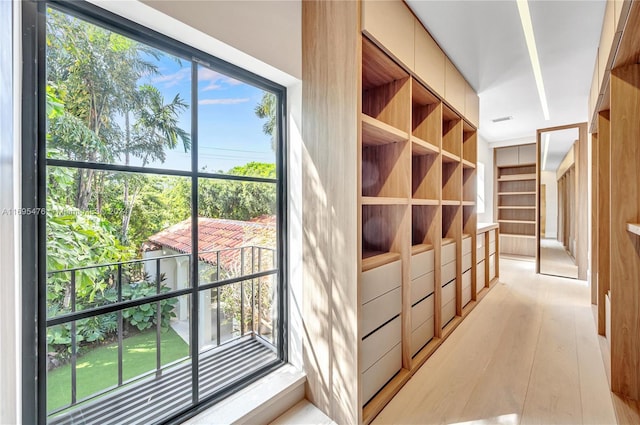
559 199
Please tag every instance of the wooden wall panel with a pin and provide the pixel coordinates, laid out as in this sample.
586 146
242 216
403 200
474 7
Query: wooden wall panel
582 203
429 60
625 247
603 206
454 86
331 247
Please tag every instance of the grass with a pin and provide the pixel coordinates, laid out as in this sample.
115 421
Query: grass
98 368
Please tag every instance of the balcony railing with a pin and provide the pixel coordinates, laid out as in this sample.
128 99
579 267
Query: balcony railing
220 272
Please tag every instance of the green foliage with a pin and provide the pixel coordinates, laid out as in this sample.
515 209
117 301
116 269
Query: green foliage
266 109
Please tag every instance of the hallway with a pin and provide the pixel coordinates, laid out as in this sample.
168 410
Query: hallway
554 259
527 354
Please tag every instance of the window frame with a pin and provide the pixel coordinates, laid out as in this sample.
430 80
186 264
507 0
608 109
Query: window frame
34 165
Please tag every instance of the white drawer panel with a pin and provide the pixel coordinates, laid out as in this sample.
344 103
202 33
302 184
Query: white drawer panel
466 288
380 342
492 247
480 254
449 253
422 335
448 312
480 277
479 240
421 287
492 267
492 235
421 264
374 378
466 261
449 292
448 273
466 246
380 280
421 312
381 309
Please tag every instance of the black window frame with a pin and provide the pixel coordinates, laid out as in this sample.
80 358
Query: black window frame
34 163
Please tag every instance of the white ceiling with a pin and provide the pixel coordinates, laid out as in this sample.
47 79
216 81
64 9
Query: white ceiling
485 40
560 142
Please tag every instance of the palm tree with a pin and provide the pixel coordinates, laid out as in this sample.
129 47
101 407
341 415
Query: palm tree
266 109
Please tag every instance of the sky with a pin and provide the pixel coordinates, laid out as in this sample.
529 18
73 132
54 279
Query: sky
229 131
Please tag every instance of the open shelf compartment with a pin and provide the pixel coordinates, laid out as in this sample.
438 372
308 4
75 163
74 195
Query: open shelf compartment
426 115
452 127
382 239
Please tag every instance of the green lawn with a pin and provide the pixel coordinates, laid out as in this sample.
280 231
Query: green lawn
98 368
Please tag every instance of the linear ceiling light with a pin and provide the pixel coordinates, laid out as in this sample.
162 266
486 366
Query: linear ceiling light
545 150
527 26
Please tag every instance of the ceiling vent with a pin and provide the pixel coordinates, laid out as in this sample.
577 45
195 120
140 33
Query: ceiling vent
502 119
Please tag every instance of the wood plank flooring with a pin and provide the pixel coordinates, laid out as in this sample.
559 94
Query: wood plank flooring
527 354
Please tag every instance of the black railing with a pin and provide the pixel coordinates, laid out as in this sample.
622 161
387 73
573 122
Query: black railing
115 279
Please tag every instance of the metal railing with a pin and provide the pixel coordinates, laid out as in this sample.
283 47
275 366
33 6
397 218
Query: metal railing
116 279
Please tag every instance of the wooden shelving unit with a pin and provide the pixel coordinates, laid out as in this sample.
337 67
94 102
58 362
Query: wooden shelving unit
516 197
415 162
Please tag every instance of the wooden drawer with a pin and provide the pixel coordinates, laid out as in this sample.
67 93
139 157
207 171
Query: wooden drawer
391 23
480 276
449 292
492 267
374 378
466 246
376 345
492 247
492 236
421 264
380 310
380 280
421 312
422 335
480 254
466 287
448 312
466 262
448 253
448 273
421 287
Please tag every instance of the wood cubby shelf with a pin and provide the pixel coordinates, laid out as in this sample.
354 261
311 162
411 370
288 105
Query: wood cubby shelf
376 132
517 177
433 202
380 200
467 164
373 259
447 202
421 247
516 193
634 228
420 147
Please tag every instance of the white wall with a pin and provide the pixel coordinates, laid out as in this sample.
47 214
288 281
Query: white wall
264 37
548 178
485 156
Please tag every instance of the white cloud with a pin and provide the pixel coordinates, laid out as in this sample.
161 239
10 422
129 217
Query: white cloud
228 101
171 80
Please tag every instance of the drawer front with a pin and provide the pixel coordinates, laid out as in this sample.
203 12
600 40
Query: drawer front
422 335
448 273
492 247
449 253
449 292
480 254
448 312
421 287
480 277
380 342
466 246
380 280
466 261
492 236
466 288
421 312
380 310
492 267
381 372
421 264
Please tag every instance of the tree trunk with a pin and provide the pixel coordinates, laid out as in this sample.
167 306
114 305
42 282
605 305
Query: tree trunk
85 179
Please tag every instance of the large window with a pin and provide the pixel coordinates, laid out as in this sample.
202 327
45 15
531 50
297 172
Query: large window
160 221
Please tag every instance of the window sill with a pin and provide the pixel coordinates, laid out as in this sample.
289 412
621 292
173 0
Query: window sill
261 402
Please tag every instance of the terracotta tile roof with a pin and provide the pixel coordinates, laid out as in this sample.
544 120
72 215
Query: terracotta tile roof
215 234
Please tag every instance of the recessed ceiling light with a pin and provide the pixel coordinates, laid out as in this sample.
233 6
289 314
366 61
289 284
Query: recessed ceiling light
527 26
502 119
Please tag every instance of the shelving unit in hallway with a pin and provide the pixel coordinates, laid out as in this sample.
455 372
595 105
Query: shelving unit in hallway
516 189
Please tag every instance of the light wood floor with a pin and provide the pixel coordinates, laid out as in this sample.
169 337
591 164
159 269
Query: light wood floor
527 354
555 260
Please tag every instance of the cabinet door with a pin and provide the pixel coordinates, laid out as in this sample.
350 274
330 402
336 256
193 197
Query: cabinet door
527 154
454 86
507 156
472 106
429 60
391 24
